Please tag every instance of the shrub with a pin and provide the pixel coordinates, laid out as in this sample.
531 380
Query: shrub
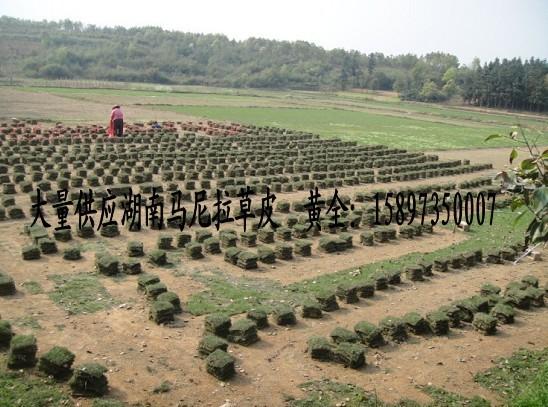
339 335
161 312
31 252
284 315
258 316
57 362
210 343
319 348
485 323
220 364
217 324
243 332
369 334
22 352
89 380
7 285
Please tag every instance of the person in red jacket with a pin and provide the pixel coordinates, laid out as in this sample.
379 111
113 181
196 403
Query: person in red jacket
116 127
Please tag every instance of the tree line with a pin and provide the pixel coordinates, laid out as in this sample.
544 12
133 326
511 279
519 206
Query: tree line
67 49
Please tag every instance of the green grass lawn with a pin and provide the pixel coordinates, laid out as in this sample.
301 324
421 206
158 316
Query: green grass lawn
364 117
364 127
233 295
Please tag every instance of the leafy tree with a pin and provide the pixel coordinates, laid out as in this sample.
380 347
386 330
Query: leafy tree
528 183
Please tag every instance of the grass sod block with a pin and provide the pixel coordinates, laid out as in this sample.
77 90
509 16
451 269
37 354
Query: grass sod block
89 380
284 315
135 249
349 354
370 335
7 285
320 348
438 322
416 323
339 335
158 257
243 332
107 264
161 312
259 316
328 301
210 343
30 252
311 309
504 313
217 324
393 328
22 352
220 364
6 333
57 362
485 323
146 279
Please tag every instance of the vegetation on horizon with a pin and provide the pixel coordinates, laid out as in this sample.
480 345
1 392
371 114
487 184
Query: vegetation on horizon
68 49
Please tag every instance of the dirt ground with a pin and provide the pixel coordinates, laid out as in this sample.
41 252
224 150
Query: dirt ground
141 355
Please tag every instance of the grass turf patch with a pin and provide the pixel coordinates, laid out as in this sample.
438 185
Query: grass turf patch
233 295
80 294
520 379
20 389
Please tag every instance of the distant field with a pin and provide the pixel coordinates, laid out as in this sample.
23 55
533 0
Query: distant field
366 117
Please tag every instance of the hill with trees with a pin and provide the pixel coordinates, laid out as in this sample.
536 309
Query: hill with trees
67 49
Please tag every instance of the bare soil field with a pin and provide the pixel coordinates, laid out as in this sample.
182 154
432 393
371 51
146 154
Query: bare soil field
105 319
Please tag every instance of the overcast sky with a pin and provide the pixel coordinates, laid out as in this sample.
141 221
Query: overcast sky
466 28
